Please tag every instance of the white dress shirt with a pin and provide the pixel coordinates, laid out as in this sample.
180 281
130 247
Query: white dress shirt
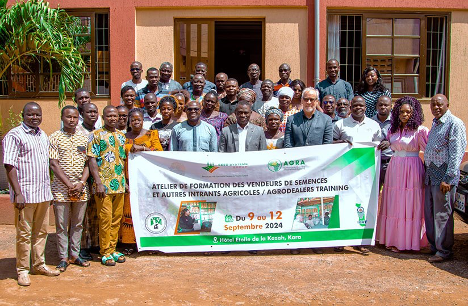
242 137
365 131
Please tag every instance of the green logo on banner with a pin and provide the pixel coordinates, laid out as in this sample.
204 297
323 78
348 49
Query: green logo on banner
228 218
361 214
275 165
210 168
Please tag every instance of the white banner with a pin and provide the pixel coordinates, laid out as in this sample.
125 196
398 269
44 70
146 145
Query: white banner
280 199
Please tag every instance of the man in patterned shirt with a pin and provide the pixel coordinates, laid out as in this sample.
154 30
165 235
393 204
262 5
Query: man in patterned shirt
26 160
68 160
106 164
445 148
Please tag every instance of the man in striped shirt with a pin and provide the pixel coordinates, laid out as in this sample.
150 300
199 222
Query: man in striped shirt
26 159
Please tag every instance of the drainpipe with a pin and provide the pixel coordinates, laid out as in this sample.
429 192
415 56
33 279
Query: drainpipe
317 42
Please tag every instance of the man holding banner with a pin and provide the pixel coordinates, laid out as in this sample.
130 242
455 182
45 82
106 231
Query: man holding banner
359 128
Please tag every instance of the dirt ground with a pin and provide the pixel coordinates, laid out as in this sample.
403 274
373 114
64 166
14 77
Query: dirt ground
238 278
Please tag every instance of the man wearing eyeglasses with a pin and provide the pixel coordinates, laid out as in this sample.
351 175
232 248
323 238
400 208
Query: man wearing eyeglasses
136 82
329 108
194 134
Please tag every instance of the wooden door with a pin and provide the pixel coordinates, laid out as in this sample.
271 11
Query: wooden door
194 42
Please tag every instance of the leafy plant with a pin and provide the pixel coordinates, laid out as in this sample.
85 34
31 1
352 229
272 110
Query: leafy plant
10 122
33 30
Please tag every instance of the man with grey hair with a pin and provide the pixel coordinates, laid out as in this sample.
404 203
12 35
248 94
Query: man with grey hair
166 84
308 127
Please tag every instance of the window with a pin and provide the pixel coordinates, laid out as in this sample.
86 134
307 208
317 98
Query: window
37 80
409 50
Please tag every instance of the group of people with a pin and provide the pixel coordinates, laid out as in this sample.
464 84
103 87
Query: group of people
87 156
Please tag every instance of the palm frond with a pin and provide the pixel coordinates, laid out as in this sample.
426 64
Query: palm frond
33 29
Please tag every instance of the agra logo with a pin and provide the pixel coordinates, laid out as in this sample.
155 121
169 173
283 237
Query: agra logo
210 168
155 223
275 165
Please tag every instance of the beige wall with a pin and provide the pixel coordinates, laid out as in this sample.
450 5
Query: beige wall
459 65
285 35
50 110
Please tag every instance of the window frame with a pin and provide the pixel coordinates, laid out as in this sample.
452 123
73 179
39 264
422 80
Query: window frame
93 73
423 16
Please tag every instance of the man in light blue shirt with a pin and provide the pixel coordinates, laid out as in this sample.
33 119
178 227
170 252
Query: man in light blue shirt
194 134
444 152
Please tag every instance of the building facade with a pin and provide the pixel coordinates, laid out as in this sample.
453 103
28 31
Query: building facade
419 46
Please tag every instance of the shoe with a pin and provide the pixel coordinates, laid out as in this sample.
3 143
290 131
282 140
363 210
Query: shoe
85 255
44 270
23 279
362 249
62 266
427 251
295 251
338 249
317 250
253 252
108 261
118 257
436 258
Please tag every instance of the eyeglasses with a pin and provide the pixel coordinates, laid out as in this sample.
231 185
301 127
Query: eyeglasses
253 69
135 69
283 70
194 109
328 102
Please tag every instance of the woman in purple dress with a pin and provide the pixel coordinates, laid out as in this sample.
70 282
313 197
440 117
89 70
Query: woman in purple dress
209 113
400 224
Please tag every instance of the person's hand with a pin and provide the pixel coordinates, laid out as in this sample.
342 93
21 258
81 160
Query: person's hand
76 189
100 190
20 202
127 189
444 187
137 148
383 145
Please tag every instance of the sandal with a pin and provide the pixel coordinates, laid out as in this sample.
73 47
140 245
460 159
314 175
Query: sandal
62 266
118 257
128 251
108 261
80 262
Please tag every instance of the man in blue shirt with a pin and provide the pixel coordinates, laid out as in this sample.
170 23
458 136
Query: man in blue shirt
194 134
444 152
200 68
333 85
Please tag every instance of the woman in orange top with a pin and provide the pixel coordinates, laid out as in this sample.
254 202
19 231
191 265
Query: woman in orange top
138 139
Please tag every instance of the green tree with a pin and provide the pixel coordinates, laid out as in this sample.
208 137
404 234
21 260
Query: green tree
33 30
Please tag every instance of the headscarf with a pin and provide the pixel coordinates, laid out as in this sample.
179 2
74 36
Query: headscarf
274 110
285 91
247 92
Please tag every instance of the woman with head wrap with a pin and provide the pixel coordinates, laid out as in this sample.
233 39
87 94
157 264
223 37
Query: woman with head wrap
274 137
246 94
285 95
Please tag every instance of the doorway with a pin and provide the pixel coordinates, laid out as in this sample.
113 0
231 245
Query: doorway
225 45
237 45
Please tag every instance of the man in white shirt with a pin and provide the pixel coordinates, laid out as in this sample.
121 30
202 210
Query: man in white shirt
81 97
137 81
358 128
